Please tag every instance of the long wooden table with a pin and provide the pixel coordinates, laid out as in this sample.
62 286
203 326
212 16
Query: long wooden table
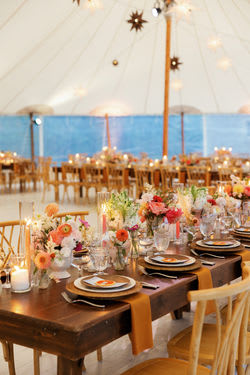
42 319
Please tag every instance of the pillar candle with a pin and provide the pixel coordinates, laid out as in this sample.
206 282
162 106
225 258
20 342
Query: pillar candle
20 279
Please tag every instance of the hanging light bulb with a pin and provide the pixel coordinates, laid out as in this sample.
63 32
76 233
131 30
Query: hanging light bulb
176 84
224 63
181 8
80 91
214 43
93 4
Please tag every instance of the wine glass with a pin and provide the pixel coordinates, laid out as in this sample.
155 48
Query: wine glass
227 221
100 259
207 223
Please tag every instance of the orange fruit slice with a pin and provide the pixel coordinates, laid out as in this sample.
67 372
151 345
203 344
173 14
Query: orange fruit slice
169 260
105 282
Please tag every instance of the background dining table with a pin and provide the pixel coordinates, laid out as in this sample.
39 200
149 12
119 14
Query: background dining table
43 320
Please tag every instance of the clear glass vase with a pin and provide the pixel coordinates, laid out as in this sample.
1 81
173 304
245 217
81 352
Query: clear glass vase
43 279
134 248
119 262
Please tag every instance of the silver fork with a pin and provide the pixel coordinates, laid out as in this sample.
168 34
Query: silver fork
71 300
207 254
142 269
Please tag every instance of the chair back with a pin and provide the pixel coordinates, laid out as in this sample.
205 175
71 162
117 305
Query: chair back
142 176
10 239
92 174
231 337
225 173
74 214
166 178
115 175
70 173
197 175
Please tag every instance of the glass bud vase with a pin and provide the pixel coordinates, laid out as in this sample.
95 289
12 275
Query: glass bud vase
119 261
150 232
172 232
134 248
43 279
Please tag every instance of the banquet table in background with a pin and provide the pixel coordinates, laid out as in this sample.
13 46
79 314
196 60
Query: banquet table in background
41 319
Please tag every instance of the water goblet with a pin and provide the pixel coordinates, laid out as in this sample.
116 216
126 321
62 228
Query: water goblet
161 239
207 224
100 259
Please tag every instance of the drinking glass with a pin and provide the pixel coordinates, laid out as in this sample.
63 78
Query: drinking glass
227 222
207 224
161 239
100 259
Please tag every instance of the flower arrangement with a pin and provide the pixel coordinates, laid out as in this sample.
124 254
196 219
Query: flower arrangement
192 200
53 242
121 210
239 189
155 208
118 244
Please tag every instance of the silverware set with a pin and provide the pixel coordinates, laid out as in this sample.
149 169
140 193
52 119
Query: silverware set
142 270
75 300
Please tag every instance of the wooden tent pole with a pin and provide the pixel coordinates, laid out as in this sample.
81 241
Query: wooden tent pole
32 152
107 130
182 134
166 94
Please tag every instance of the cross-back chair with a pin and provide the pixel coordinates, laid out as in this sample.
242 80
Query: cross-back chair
92 177
197 175
229 342
142 176
166 178
225 173
116 177
70 178
50 178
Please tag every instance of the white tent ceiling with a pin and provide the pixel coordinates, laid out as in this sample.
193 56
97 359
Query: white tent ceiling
56 53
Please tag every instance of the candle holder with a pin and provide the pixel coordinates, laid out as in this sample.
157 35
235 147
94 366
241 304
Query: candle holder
20 275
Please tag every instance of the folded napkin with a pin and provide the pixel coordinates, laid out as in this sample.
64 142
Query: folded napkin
141 322
205 282
245 255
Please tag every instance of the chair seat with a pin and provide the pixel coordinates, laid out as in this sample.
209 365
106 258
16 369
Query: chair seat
164 366
179 345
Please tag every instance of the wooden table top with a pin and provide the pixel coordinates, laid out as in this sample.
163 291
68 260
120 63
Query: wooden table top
42 319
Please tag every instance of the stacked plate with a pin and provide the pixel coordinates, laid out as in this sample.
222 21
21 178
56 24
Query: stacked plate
218 246
243 234
172 260
104 287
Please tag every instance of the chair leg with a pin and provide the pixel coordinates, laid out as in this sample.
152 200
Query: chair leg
99 354
36 362
8 353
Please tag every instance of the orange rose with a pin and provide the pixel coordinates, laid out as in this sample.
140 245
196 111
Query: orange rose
122 235
56 237
228 189
65 229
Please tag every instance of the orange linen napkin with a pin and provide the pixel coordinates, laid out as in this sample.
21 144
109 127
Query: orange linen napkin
141 322
205 282
245 255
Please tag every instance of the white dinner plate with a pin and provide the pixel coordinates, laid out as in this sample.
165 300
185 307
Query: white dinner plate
242 230
78 285
188 263
201 243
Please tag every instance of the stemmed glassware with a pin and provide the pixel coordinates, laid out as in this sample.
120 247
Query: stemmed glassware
207 224
100 259
162 238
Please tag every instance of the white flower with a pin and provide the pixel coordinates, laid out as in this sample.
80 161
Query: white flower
73 224
220 201
200 202
65 252
50 246
68 242
146 197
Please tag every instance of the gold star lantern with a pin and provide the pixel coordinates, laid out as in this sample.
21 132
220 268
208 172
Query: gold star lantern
136 21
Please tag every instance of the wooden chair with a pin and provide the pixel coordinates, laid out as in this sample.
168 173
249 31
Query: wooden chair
2 178
74 214
70 178
225 173
92 177
166 178
142 176
50 178
197 175
228 343
115 176
209 341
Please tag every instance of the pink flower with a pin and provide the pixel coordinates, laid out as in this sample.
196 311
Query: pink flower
247 190
56 237
42 260
157 208
78 247
85 223
173 214
52 209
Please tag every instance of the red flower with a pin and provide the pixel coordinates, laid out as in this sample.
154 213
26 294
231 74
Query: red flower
173 214
247 190
212 202
188 162
78 247
156 198
122 235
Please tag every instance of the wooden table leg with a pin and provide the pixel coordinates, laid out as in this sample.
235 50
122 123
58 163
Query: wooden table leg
67 367
177 314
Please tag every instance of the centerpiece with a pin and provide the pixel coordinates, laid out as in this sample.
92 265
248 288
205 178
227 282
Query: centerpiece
53 243
118 245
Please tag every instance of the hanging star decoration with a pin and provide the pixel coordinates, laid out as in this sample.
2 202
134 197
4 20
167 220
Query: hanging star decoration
136 21
175 63
78 1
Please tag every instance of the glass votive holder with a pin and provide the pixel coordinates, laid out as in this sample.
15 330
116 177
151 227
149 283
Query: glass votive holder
20 275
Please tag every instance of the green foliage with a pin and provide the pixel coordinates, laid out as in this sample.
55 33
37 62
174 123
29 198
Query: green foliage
122 203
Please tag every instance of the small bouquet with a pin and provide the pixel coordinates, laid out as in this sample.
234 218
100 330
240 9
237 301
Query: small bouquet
121 210
53 243
192 201
118 245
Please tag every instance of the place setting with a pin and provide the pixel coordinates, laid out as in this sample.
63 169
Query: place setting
170 263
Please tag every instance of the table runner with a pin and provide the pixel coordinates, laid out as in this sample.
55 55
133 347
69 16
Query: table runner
141 322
